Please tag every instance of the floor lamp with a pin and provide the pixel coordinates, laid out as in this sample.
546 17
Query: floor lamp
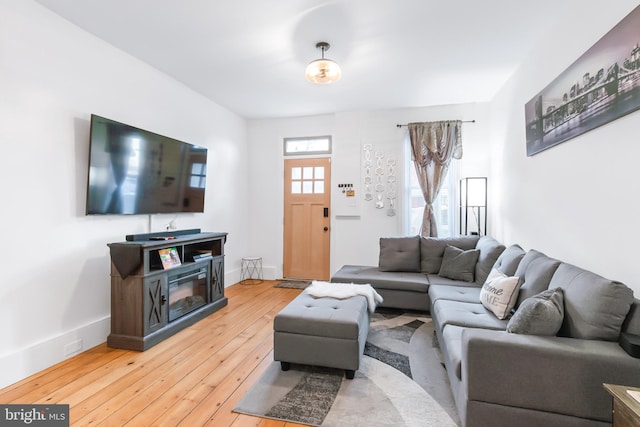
473 206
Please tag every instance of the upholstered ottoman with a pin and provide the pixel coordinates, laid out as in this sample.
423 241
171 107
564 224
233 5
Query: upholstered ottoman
326 332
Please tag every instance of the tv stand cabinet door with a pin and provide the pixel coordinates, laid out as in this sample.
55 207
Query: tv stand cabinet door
155 311
217 278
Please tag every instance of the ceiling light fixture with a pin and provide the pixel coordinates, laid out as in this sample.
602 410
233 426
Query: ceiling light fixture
323 71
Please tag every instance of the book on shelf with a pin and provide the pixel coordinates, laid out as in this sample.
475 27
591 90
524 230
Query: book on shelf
169 258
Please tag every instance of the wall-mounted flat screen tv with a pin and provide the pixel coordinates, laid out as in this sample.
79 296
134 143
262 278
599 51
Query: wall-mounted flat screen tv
134 171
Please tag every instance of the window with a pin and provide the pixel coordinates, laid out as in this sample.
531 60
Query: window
307 145
307 180
444 206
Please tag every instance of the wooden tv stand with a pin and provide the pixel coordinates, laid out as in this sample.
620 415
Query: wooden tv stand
140 312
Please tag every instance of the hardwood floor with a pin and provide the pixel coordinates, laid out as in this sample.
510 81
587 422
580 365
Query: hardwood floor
194 378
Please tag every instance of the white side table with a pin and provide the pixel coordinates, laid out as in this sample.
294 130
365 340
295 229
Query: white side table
251 270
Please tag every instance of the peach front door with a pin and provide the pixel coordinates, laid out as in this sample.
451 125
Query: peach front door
307 234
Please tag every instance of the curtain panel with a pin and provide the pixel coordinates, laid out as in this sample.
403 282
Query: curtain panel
433 145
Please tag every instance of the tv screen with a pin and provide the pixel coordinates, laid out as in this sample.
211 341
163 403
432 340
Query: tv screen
134 171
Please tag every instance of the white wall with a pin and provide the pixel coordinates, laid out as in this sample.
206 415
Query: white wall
577 201
568 201
55 262
353 240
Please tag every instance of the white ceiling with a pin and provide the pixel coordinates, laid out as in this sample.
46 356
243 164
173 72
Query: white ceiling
249 55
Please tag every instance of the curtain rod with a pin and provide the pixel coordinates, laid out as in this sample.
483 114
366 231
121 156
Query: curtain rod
464 121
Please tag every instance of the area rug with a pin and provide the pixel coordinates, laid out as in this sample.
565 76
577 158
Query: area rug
293 284
401 382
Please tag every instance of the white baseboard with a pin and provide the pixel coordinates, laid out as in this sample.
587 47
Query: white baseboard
35 358
271 273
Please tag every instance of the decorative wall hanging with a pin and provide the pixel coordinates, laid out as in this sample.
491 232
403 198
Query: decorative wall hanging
379 180
368 180
379 177
601 86
391 186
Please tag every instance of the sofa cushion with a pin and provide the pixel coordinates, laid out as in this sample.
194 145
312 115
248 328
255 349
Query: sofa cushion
399 254
509 260
490 250
434 279
323 317
454 293
540 314
452 335
412 282
458 264
499 293
432 250
526 260
535 271
467 314
594 307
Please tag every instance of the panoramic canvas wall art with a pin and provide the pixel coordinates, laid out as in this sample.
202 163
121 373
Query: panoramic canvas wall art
599 87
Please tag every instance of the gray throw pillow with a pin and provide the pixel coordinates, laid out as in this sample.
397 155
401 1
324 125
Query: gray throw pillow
399 254
541 314
432 250
458 264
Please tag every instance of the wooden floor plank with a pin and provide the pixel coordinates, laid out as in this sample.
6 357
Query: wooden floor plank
207 378
225 415
222 385
68 371
195 377
201 356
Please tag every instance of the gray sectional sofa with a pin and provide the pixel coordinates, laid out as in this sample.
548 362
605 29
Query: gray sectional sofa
543 358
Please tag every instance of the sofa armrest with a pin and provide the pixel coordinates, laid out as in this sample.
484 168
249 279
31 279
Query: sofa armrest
561 375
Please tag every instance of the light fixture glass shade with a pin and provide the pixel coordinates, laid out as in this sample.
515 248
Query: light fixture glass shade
323 71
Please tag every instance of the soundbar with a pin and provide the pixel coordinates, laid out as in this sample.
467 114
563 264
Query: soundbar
160 235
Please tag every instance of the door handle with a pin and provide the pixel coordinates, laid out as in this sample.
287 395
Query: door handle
326 229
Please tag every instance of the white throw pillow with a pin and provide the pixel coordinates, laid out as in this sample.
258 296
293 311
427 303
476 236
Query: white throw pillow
500 293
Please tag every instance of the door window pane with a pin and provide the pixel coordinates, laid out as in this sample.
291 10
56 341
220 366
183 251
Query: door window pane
307 187
308 180
307 173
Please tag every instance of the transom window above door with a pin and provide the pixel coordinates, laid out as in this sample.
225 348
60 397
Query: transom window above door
307 145
307 180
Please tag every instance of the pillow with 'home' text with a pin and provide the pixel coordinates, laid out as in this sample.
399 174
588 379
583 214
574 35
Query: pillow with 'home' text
500 293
